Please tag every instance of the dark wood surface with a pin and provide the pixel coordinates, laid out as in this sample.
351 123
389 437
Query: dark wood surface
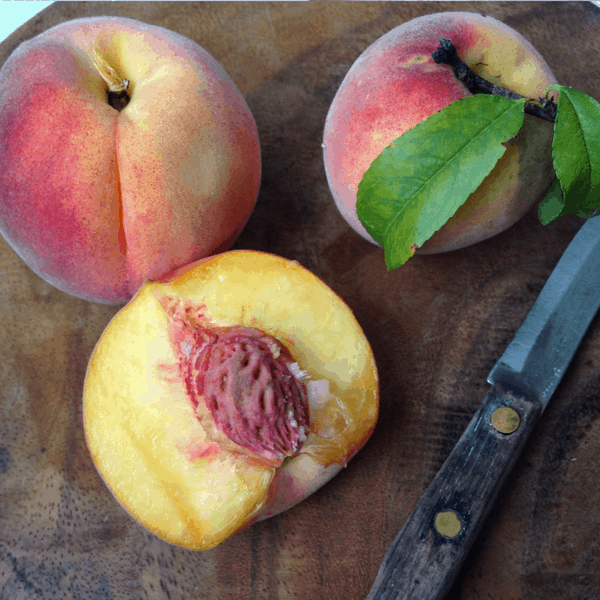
437 325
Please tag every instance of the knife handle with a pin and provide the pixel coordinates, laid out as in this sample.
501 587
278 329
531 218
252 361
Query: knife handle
425 557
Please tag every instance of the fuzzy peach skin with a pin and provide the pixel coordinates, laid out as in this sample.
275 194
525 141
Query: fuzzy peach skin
395 84
97 201
156 443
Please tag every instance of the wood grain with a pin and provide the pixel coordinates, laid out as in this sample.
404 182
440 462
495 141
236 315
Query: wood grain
437 325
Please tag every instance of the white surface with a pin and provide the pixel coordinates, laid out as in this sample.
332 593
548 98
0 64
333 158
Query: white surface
13 13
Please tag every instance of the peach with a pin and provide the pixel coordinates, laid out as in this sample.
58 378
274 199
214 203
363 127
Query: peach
395 84
98 199
227 393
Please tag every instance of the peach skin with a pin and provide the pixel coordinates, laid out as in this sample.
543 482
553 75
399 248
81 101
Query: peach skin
98 197
395 84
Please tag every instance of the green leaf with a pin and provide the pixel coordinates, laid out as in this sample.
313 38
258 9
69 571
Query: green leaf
551 206
420 180
576 156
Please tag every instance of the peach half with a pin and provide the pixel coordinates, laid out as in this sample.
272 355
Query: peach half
98 197
395 84
225 394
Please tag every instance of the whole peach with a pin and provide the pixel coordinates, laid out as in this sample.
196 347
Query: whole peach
97 199
395 84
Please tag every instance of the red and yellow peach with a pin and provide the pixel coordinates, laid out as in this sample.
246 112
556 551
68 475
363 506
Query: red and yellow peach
395 84
97 200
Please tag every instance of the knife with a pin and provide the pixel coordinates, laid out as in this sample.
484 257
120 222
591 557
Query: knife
425 557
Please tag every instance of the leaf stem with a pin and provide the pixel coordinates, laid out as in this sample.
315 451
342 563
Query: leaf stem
446 55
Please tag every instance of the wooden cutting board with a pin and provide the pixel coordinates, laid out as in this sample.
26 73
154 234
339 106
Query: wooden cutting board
436 325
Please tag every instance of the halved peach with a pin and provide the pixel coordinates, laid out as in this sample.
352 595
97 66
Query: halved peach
227 394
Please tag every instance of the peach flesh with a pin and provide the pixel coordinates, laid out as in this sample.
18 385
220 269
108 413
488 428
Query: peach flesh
97 201
395 84
163 457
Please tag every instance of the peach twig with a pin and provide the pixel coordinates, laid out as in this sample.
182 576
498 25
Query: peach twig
446 54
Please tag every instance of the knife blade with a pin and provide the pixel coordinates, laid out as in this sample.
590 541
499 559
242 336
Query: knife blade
427 553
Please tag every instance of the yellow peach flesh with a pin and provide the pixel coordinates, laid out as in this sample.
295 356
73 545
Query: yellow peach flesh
145 437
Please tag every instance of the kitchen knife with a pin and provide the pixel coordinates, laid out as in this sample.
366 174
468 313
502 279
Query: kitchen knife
424 559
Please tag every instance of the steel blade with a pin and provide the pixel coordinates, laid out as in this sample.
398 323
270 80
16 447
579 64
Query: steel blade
536 359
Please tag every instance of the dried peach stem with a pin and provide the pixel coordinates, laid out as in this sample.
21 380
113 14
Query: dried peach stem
117 86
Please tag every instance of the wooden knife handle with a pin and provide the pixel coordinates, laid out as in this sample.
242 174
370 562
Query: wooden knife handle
425 557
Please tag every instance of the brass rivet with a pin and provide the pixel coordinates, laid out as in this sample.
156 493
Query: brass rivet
448 523
505 419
